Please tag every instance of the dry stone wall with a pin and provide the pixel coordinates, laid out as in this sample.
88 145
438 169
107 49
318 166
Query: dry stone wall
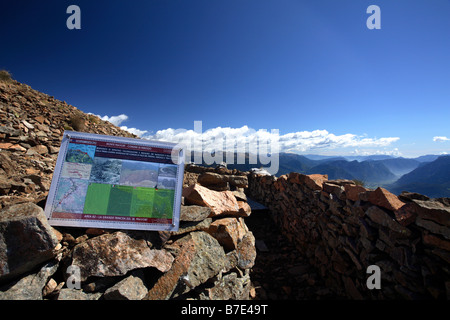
343 228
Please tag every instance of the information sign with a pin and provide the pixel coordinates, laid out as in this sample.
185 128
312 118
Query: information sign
114 182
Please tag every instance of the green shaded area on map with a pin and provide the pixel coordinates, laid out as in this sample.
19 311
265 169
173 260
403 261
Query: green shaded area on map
163 203
106 199
97 198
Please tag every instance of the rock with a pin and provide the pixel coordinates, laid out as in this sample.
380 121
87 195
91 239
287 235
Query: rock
117 253
27 124
52 149
31 286
194 213
244 209
238 181
351 289
213 180
199 257
74 294
352 191
406 214
26 239
50 287
239 194
333 189
435 241
228 231
5 145
130 288
434 211
5 185
315 181
409 196
9 131
246 251
189 226
433 227
379 216
229 287
39 149
6 164
383 198
220 202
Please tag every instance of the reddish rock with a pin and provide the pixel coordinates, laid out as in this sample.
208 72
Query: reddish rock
315 181
379 216
5 145
433 210
352 191
220 202
228 231
434 241
40 149
312 181
244 209
383 198
406 214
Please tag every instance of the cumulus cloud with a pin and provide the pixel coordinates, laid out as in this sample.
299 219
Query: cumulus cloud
440 139
245 139
135 131
115 120
300 141
395 152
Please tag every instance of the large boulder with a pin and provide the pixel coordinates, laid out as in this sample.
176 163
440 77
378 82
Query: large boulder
220 202
26 239
117 253
383 198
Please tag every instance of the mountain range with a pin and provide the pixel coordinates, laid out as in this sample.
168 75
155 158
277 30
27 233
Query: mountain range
429 174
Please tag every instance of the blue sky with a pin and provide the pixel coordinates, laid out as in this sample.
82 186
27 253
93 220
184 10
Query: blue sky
311 69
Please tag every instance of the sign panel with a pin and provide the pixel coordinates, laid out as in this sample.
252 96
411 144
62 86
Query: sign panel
114 182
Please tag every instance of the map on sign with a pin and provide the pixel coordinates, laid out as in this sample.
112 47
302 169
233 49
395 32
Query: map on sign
113 182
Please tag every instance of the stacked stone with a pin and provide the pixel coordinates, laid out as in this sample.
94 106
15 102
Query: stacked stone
342 228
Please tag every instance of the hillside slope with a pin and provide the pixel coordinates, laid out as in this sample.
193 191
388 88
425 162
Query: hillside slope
31 128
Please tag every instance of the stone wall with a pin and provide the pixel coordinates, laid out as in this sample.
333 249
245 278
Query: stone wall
342 228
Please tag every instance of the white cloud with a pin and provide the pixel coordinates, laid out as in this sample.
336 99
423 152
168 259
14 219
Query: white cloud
300 141
395 152
135 131
115 120
245 139
440 139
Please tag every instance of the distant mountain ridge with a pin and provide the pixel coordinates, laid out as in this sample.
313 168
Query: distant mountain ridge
431 179
373 171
